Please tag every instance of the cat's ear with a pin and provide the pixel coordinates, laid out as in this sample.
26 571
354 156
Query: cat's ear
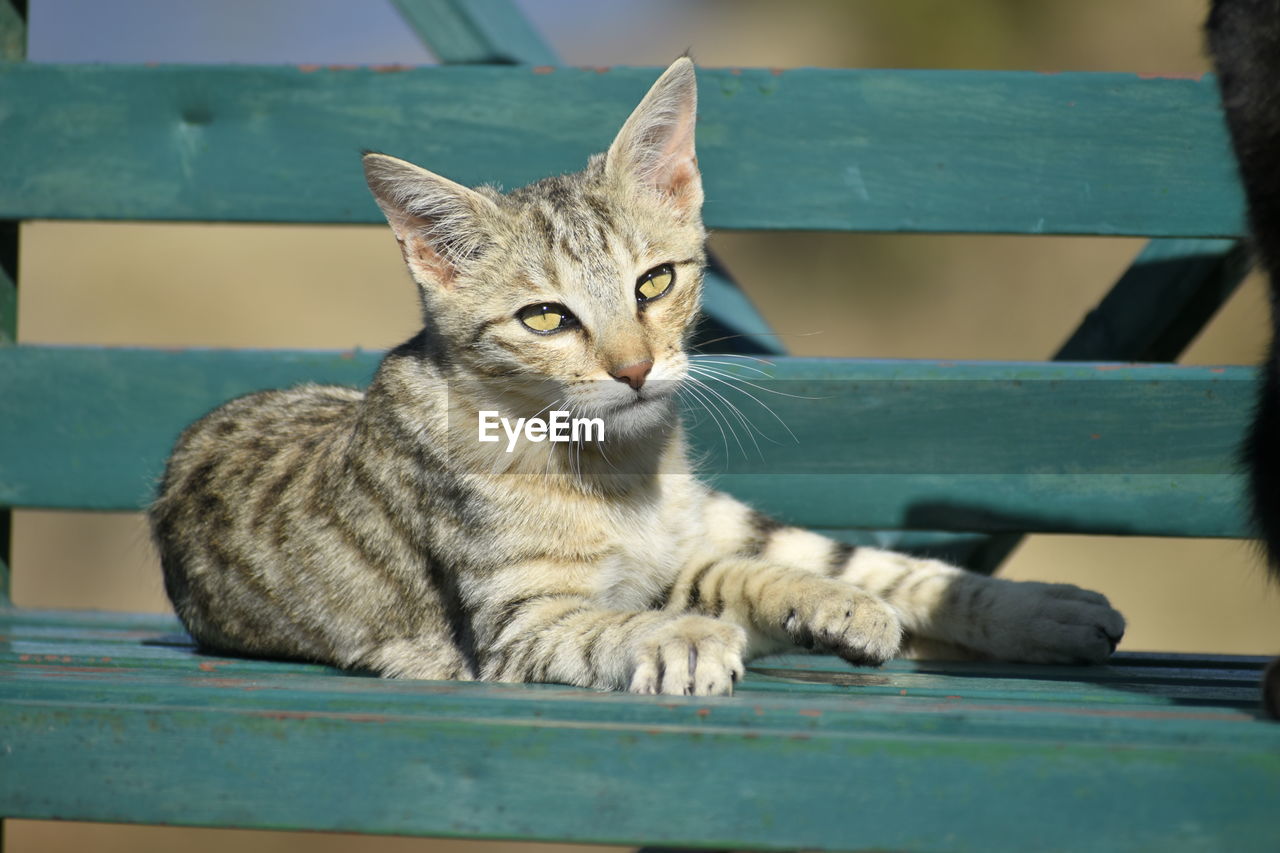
440 225
655 146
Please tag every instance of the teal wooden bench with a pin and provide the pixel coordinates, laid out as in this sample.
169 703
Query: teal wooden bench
116 717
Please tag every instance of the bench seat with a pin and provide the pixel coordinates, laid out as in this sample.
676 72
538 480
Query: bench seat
124 720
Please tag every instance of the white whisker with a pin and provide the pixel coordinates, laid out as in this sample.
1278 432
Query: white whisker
752 429
715 375
715 420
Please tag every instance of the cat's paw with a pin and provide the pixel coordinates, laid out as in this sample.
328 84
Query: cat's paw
838 618
1034 622
690 656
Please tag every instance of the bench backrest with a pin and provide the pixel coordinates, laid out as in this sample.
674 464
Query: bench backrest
993 447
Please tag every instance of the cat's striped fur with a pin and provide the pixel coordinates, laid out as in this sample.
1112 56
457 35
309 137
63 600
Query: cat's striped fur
370 530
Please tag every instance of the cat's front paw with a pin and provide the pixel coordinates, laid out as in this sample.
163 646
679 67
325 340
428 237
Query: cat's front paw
690 656
838 618
1052 623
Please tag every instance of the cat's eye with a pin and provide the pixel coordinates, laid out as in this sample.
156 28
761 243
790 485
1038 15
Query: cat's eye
655 282
546 317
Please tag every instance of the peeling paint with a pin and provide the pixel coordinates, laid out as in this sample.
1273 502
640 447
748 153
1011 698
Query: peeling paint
323 715
59 671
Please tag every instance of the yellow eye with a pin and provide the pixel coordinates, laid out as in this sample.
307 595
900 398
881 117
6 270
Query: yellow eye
546 317
654 283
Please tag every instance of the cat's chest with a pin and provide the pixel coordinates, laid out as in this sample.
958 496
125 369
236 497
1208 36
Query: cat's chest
650 546
626 551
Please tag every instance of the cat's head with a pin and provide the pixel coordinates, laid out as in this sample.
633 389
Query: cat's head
591 281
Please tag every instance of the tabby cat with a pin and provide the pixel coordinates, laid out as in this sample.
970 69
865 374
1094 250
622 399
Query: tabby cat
372 530
1244 38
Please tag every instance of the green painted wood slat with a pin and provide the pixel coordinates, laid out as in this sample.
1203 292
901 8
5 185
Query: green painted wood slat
547 762
943 702
902 743
925 151
1104 448
476 31
1011 684
1163 300
1136 679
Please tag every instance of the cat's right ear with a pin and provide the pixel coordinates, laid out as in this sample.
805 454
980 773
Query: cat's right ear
439 224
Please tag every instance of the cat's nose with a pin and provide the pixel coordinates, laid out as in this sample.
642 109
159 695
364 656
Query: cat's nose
633 374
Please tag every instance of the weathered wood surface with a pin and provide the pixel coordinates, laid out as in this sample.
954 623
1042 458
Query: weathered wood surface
476 31
875 444
810 754
1073 153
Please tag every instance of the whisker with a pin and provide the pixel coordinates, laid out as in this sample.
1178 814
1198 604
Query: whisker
711 371
703 359
758 402
752 429
703 401
698 353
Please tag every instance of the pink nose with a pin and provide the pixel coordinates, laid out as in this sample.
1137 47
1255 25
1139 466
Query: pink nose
633 374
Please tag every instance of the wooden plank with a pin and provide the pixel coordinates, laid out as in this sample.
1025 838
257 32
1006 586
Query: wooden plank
1078 447
1005 683
920 151
1130 677
855 705
1125 448
161 650
476 31
472 761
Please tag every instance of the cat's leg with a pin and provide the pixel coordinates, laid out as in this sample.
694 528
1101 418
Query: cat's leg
560 635
1009 620
1023 621
431 658
783 607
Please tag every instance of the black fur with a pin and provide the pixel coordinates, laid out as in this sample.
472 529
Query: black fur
1244 39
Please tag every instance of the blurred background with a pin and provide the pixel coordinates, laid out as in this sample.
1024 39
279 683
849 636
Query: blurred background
954 297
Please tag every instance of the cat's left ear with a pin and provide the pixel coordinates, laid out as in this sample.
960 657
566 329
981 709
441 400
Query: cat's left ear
655 146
